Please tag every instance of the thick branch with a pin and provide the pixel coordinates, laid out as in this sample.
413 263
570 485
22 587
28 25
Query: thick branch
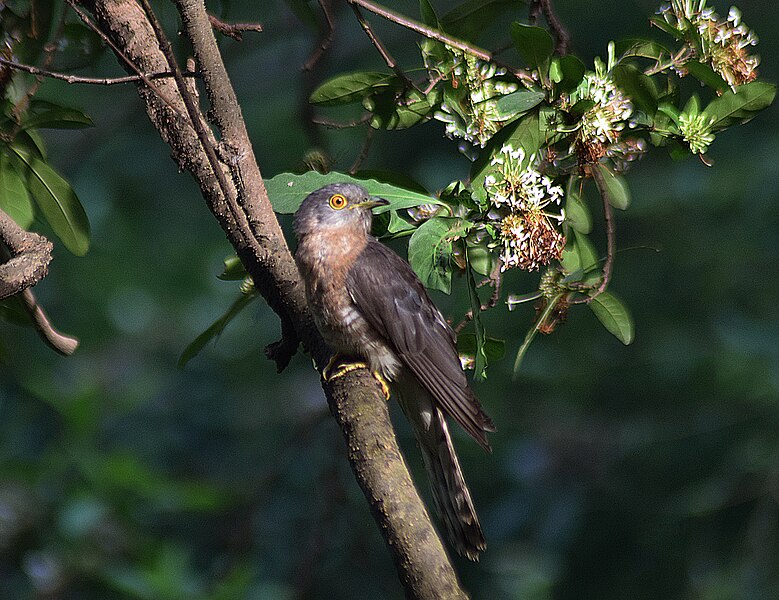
246 216
29 255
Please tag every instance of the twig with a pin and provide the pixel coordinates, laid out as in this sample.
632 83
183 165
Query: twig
88 22
366 147
327 37
56 340
88 80
495 280
233 30
608 217
342 125
391 63
439 36
562 37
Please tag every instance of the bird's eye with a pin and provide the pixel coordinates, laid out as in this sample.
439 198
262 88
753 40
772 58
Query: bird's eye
337 201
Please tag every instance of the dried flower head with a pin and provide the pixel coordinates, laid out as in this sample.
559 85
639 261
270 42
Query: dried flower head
723 43
520 196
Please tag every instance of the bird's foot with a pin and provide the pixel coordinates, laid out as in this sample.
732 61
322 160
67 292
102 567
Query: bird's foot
383 383
338 367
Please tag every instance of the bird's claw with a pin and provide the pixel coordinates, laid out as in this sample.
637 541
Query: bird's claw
337 367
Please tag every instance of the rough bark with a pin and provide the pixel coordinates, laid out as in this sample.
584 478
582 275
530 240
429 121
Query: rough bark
235 194
28 256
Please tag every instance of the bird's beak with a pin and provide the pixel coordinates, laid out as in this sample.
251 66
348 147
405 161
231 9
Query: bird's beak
372 203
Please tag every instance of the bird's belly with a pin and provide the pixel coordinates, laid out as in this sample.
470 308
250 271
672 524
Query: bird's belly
347 332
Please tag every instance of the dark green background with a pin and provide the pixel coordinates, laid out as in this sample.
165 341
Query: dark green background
648 471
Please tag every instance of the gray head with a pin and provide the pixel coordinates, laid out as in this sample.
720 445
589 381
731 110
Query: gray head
336 205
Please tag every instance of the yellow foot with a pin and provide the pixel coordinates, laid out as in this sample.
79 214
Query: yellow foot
336 368
383 383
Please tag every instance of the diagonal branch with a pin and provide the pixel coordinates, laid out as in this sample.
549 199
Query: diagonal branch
245 214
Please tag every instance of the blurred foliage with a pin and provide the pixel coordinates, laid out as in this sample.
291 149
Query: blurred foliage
641 472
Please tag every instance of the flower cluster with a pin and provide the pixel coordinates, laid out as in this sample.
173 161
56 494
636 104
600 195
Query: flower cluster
723 43
470 108
520 194
601 124
696 131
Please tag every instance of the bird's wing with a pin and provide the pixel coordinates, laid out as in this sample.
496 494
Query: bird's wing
390 296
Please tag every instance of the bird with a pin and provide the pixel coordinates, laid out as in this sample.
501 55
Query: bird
369 305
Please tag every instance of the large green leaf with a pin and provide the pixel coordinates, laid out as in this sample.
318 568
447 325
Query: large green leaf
741 105
518 102
639 87
613 187
614 316
58 203
577 215
427 14
430 248
14 199
52 116
215 329
352 87
567 72
534 44
288 190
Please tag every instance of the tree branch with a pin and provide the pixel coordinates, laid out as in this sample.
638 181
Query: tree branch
86 80
244 212
29 255
233 30
434 34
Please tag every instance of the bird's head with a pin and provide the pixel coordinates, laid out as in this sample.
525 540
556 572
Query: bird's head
338 205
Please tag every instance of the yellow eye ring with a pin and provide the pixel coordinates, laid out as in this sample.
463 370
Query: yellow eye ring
337 201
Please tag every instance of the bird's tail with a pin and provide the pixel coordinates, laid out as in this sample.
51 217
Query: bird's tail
450 492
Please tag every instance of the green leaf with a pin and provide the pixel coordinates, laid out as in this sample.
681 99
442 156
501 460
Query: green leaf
639 87
534 45
613 187
706 75
470 19
288 190
742 105
391 113
577 215
14 199
640 49
480 358
430 248
482 260
494 349
48 115
518 102
427 14
569 72
614 316
524 133
352 87
194 348
579 258
58 203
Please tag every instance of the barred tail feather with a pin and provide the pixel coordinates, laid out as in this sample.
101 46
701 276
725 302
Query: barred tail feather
450 493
